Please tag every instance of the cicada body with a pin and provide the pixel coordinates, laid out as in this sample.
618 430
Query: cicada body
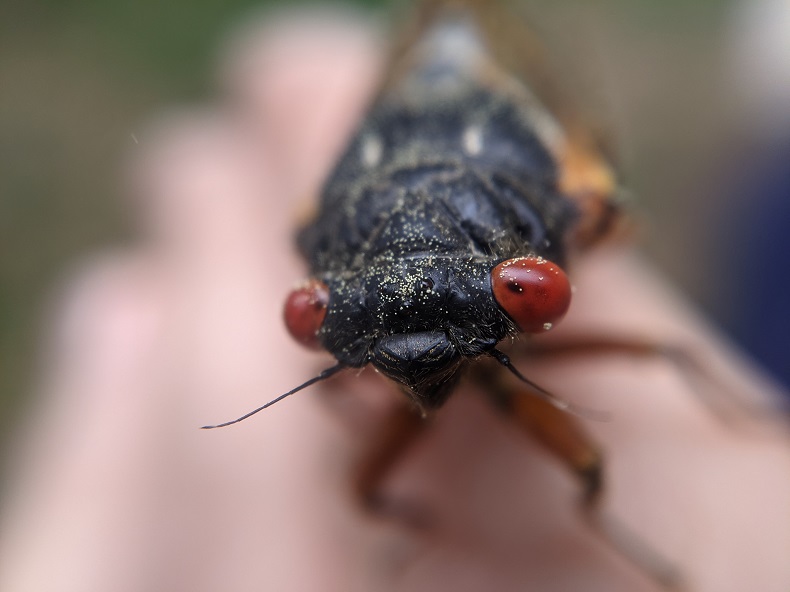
448 223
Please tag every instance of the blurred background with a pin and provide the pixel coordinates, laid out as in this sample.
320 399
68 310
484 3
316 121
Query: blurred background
694 91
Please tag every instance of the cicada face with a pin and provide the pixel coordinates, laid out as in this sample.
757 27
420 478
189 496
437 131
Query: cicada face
427 315
415 319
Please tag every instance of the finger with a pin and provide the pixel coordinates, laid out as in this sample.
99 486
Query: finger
228 271
199 189
232 274
83 472
303 79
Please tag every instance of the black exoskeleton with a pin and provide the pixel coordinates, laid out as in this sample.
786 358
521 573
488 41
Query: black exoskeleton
443 181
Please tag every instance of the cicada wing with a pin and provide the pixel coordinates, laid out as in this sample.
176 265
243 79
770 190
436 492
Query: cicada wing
490 44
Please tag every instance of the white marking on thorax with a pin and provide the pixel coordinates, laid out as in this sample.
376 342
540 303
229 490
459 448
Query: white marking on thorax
372 150
473 140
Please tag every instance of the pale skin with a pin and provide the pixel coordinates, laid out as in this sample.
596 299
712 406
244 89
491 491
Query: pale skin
114 487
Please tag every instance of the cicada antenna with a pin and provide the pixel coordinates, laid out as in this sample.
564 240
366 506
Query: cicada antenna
322 376
539 391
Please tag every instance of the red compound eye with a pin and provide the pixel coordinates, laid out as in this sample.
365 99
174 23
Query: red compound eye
533 291
305 309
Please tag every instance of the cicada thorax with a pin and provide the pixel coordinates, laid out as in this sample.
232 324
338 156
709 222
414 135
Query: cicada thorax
503 54
448 222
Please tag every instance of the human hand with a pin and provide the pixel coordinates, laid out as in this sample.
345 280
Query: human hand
117 489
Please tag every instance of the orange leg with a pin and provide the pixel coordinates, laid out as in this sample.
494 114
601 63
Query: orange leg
717 395
563 436
399 431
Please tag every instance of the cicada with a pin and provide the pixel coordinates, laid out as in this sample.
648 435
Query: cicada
447 227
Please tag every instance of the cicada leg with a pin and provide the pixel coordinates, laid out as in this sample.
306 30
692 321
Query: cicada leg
563 435
400 430
717 395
